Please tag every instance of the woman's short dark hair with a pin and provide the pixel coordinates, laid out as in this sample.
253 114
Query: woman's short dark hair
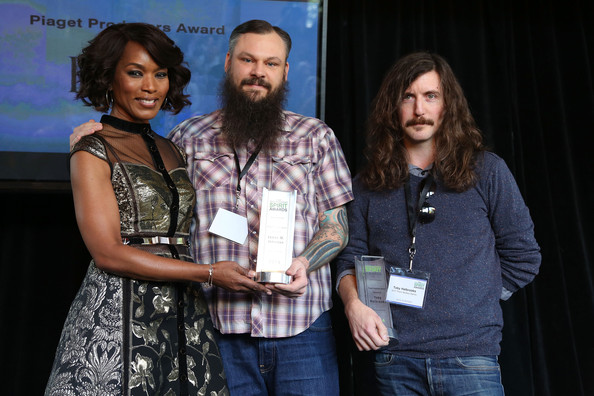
97 64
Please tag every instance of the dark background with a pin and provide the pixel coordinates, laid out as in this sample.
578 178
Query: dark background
526 68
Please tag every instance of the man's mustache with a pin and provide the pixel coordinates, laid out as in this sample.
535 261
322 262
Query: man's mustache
256 81
419 121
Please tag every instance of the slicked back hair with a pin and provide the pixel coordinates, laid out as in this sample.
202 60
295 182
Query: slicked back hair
259 26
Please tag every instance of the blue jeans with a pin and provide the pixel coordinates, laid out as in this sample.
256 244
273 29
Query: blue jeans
304 364
469 375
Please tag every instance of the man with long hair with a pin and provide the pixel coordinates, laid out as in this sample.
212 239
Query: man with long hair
455 234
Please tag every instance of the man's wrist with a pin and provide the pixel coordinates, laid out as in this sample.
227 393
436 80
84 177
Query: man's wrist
303 260
347 289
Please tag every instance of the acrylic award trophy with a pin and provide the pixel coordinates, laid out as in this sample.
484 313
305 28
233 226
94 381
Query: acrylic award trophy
371 287
275 245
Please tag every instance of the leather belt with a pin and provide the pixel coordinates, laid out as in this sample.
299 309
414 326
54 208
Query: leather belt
156 240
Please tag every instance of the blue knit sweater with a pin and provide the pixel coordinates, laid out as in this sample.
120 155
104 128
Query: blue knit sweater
481 241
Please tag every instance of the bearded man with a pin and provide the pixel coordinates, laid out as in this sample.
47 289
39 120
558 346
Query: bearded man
280 339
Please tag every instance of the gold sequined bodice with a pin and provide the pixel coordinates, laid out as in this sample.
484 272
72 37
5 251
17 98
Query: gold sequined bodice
149 197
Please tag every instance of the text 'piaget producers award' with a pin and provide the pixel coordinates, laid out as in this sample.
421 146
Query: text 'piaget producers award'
277 227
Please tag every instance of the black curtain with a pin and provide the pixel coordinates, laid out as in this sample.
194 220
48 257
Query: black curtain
42 263
526 68
527 71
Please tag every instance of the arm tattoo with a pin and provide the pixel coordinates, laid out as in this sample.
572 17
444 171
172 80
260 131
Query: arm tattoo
330 239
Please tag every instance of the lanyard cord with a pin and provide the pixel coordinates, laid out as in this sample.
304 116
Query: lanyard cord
241 172
413 212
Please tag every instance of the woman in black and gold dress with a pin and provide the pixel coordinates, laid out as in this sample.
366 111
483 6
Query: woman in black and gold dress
139 324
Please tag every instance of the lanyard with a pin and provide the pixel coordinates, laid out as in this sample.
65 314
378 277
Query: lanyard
413 212
241 172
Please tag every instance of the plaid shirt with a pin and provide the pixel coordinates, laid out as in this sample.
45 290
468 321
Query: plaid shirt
309 159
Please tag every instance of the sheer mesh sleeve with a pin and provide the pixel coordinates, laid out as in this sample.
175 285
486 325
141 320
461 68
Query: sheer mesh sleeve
113 146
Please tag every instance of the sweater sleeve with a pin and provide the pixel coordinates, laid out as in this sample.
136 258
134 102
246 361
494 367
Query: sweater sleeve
518 251
358 234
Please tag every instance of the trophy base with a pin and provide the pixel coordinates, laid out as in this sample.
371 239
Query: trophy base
273 277
392 333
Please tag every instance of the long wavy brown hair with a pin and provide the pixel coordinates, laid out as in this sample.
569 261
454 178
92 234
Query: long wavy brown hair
457 141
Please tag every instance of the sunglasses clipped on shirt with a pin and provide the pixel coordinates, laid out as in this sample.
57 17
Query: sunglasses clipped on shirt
426 213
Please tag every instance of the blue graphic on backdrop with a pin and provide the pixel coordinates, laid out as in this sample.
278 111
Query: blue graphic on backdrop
39 41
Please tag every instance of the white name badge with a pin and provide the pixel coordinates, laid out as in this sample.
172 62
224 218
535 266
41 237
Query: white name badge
230 225
406 290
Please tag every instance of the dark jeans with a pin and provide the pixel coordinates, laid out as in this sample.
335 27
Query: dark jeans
457 376
304 364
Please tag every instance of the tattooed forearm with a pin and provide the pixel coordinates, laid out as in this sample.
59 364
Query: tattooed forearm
330 239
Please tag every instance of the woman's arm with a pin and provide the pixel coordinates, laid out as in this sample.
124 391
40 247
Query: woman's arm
97 215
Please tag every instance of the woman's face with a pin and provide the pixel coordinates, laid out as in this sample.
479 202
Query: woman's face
139 85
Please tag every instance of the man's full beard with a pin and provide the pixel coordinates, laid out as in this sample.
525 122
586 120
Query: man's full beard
245 118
